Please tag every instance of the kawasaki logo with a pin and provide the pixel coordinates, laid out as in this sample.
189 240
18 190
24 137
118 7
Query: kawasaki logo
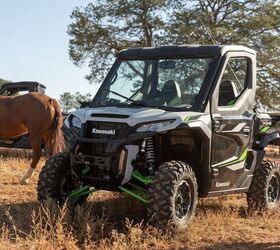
104 131
222 184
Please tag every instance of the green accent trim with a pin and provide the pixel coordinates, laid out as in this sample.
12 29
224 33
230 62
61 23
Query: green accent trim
265 129
231 103
240 159
85 170
138 195
175 101
192 117
81 192
145 179
187 118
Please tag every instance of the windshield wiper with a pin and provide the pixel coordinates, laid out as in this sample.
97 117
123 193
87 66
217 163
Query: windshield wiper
133 102
120 95
170 108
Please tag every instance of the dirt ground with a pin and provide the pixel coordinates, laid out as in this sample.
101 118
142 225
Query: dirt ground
114 221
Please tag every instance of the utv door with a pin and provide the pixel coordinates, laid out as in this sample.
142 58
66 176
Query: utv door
232 122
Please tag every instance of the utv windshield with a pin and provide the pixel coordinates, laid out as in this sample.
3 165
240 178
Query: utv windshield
162 83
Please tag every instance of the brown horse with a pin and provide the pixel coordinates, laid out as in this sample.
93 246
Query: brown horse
38 115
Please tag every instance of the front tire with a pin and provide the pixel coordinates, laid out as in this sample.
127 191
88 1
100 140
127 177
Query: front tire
173 195
264 192
56 182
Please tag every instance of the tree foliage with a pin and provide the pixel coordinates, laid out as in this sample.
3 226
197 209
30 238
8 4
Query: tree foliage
103 28
70 101
2 81
251 23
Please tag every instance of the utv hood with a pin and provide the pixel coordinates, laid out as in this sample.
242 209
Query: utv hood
132 116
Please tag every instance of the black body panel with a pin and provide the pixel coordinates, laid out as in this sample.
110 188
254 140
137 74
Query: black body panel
170 52
28 86
21 142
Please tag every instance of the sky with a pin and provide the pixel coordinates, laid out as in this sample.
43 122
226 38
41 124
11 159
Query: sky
34 45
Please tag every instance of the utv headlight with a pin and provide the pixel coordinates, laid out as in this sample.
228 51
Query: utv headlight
155 126
75 124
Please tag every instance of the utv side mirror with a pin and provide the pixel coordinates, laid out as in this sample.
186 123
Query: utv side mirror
84 104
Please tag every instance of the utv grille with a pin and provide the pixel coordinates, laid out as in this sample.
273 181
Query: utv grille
92 148
120 116
105 130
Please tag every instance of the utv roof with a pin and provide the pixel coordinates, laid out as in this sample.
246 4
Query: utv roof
23 84
181 51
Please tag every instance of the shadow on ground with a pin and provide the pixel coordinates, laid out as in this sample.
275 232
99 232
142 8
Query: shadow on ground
245 246
21 218
104 215
8 153
115 208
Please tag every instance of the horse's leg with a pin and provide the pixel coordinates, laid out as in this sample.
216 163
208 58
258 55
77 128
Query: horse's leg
36 144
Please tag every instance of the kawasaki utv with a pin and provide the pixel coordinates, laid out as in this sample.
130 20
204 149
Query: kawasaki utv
169 125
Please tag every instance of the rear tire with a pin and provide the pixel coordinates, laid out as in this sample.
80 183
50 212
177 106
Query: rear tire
264 192
56 182
173 195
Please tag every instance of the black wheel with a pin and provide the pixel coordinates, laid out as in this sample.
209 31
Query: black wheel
173 195
264 192
57 182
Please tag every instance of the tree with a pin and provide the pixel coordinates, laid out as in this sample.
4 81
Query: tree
103 28
2 81
70 101
246 22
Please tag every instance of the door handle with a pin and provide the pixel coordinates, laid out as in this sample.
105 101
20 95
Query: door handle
216 125
217 122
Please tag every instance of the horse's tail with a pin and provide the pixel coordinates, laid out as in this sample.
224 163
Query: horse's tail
56 141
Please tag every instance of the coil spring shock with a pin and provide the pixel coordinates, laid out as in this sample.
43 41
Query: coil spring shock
150 154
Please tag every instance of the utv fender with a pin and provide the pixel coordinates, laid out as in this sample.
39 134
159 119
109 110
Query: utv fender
267 139
200 127
203 131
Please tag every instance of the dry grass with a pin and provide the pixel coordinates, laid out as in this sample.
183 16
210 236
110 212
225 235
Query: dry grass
114 221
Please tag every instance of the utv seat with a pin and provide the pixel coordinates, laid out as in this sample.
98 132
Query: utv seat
170 92
227 95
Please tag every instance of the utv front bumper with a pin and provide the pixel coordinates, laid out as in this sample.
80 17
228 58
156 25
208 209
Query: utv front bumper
90 157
